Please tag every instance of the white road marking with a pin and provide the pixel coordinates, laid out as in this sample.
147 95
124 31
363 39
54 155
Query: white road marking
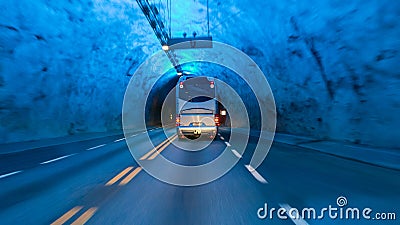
98 146
56 159
219 134
133 135
256 174
236 153
144 132
299 221
222 138
227 144
119 140
9 174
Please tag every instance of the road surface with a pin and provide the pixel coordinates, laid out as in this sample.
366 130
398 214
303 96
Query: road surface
98 182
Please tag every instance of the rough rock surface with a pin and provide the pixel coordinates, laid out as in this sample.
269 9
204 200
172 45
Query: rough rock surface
333 65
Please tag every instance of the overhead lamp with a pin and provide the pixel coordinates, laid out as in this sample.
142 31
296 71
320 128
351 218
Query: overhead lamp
165 47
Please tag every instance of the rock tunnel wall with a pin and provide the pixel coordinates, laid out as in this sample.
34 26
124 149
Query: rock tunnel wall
64 65
333 66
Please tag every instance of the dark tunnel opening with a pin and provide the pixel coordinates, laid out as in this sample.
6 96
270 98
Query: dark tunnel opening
156 99
168 81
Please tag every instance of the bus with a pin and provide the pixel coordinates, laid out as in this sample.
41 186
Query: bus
196 107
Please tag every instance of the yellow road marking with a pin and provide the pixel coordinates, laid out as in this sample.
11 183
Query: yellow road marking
149 153
121 174
155 149
161 149
85 216
130 176
64 218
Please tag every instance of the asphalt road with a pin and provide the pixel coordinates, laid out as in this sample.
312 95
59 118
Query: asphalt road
99 182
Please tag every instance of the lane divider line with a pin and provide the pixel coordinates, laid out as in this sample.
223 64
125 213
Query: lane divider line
227 144
119 140
64 218
144 132
256 174
222 138
236 153
130 176
155 149
299 221
116 178
133 135
56 159
85 216
98 146
148 154
10 174
162 148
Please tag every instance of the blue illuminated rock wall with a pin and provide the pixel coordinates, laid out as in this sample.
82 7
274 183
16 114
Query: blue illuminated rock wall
64 65
333 65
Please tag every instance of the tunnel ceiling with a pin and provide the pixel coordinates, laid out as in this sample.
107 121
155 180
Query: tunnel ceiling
332 65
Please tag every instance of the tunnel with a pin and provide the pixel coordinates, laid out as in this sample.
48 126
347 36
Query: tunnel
306 118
